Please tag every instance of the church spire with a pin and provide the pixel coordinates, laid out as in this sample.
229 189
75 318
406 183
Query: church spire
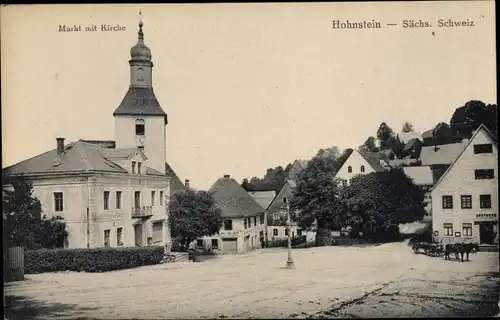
141 34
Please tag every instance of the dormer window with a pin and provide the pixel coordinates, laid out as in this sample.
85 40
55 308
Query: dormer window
133 166
139 167
140 128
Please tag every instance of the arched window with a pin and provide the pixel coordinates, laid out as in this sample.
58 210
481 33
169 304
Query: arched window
349 169
140 128
140 74
362 168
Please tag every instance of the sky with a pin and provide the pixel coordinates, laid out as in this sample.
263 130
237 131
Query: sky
246 86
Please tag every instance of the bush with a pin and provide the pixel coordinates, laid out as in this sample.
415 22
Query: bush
90 260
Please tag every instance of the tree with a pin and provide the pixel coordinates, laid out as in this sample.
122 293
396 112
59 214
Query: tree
407 127
396 145
332 152
247 185
52 232
315 198
193 214
21 212
384 133
369 145
470 116
377 203
442 134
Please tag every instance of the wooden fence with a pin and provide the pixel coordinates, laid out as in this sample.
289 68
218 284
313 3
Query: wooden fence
13 264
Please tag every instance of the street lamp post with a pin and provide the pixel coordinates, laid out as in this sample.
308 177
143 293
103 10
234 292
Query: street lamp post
289 262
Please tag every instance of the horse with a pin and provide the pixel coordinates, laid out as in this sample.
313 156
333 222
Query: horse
460 248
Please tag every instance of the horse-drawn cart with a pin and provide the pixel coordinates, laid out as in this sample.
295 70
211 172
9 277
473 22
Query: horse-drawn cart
430 249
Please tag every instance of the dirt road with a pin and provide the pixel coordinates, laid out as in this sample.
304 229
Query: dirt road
383 281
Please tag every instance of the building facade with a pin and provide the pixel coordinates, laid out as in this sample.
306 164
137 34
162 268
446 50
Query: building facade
276 228
359 162
465 199
111 193
244 219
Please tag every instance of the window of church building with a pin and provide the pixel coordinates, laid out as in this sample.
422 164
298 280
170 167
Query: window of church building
161 198
140 74
139 164
133 166
362 168
140 128
349 169
153 197
58 201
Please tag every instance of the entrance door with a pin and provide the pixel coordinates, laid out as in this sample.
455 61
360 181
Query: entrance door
158 232
486 232
247 243
138 235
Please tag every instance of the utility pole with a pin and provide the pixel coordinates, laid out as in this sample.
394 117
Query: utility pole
289 262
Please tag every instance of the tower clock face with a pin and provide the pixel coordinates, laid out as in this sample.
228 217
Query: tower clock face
141 139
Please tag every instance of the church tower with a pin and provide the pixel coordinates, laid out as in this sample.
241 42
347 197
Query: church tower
139 120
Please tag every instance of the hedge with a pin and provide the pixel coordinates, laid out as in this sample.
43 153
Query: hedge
90 260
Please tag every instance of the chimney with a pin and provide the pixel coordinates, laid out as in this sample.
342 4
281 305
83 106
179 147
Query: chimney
227 176
186 183
60 146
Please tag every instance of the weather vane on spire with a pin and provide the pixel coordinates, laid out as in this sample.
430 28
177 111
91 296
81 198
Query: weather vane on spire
141 34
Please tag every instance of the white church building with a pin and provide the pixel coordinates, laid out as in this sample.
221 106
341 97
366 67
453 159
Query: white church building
112 193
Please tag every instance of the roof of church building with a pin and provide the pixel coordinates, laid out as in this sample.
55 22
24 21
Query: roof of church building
78 157
140 51
233 200
140 101
264 198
